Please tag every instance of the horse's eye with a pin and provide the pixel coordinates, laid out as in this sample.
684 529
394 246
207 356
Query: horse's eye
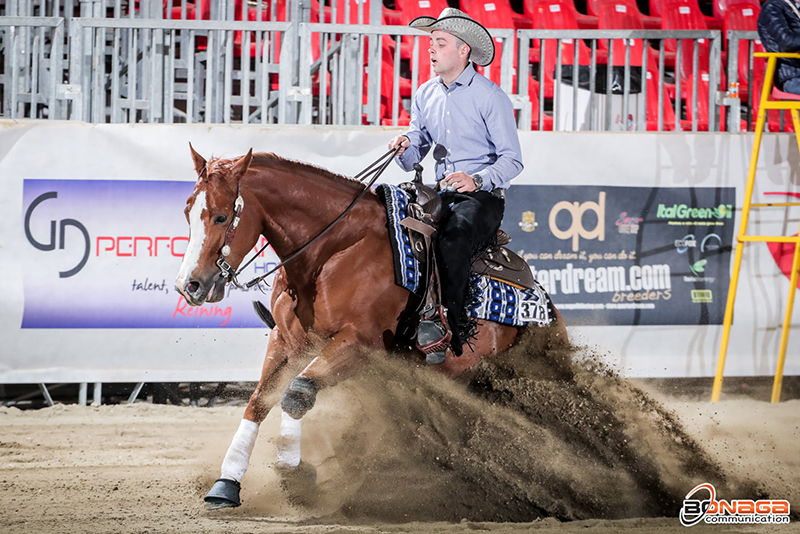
220 219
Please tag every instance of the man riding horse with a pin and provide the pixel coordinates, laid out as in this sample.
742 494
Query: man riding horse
316 301
474 119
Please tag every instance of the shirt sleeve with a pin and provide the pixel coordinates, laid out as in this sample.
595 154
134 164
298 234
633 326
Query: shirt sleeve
502 128
418 135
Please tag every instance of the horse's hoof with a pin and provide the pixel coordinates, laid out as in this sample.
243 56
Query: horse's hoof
299 397
223 494
435 358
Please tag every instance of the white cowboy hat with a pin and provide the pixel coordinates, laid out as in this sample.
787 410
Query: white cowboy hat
458 23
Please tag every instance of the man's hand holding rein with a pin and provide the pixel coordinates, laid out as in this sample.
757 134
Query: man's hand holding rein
400 141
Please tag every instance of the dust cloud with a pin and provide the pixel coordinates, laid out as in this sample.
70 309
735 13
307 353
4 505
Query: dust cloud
533 433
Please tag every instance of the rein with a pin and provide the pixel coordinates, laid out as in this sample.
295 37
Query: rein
375 170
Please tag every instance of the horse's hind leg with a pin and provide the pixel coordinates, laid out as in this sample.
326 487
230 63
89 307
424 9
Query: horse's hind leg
225 492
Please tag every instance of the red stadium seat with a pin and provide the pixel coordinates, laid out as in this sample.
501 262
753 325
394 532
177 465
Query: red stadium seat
657 8
411 10
721 6
648 22
743 17
387 92
702 103
387 95
623 15
584 22
493 14
519 21
685 16
533 94
559 15
668 113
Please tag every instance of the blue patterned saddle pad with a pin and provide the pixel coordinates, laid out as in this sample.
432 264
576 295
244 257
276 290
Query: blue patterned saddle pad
498 301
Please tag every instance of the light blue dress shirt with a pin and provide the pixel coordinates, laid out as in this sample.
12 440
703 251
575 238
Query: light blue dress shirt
474 120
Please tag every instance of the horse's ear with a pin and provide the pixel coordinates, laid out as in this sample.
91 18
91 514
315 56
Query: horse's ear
241 166
199 161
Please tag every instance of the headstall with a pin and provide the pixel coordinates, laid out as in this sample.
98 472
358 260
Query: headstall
228 272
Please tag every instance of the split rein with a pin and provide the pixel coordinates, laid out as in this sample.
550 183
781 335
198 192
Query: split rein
230 275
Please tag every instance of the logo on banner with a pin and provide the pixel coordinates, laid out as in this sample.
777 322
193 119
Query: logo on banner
740 511
628 225
685 243
682 211
711 242
528 223
62 242
702 296
576 229
698 267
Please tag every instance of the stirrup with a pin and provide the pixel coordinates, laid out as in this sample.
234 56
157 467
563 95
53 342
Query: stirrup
433 333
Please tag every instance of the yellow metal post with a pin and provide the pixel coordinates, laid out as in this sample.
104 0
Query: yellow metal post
764 106
787 318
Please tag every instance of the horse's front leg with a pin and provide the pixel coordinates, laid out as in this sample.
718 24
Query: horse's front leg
331 366
225 492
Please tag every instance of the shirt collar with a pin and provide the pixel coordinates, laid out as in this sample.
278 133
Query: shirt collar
465 78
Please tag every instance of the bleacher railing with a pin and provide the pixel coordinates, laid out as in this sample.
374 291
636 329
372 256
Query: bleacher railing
32 67
737 40
114 66
648 64
182 71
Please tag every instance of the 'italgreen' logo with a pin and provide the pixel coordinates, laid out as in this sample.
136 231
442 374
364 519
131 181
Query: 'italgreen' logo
682 211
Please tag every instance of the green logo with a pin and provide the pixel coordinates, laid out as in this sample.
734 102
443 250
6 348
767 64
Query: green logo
682 211
698 267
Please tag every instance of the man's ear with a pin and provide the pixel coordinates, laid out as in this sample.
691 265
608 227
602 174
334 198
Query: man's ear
464 51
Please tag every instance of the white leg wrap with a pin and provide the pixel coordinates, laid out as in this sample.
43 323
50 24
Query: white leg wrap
238 456
289 442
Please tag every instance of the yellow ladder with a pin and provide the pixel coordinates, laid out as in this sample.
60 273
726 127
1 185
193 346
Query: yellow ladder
742 238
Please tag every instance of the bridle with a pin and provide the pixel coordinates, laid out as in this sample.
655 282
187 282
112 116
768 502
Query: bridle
230 275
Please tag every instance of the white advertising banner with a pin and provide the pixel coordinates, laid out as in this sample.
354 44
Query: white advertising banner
95 233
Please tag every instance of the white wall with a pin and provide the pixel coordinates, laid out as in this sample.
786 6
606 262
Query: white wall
74 151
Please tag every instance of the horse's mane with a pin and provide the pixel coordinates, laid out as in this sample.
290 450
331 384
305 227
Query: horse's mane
269 159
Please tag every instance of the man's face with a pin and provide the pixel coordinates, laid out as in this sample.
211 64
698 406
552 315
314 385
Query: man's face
447 56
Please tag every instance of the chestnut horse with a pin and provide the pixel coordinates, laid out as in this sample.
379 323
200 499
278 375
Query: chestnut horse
340 290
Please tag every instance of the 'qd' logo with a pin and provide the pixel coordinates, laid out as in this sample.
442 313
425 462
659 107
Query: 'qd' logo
576 229
62 230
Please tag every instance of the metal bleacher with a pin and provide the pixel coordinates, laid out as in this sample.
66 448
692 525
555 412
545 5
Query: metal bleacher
348 62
